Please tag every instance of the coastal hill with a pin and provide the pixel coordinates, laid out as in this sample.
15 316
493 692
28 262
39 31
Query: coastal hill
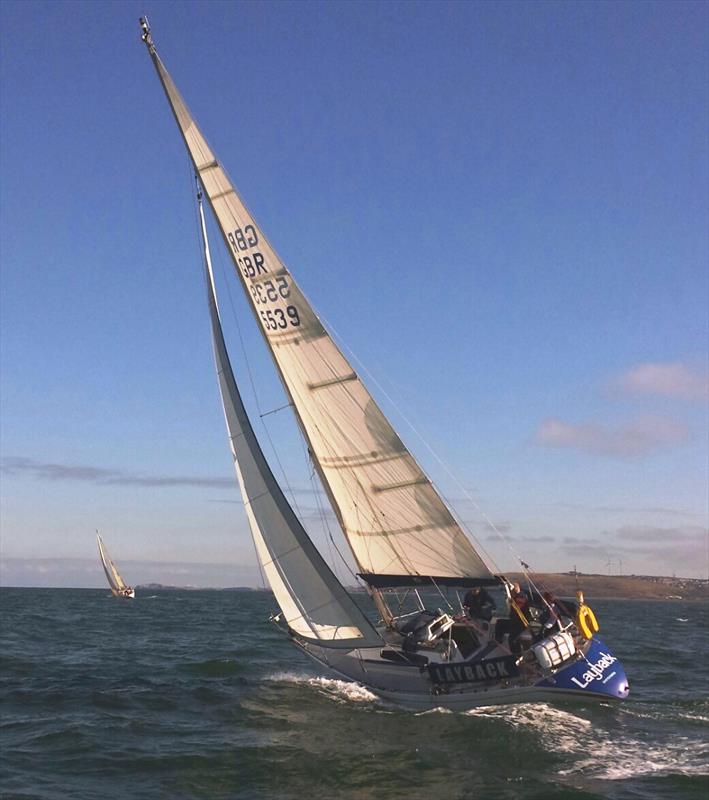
564 584
627 587
164 587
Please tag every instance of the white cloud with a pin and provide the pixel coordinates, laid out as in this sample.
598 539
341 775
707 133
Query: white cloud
633 440
47 471
666 380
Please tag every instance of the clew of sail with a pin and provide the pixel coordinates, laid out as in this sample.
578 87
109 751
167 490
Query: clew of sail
314 603
395 522
115 581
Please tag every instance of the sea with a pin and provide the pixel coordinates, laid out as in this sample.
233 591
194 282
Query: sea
194 694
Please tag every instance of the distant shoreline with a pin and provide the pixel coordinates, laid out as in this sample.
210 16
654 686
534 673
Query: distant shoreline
621 587
562 584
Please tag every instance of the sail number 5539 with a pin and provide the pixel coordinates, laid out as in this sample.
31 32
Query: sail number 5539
279 319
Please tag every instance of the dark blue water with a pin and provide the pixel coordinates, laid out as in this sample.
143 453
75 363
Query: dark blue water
194 695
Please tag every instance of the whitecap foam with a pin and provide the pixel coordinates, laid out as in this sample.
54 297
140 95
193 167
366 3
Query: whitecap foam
347 690
436 710
633 712
599 753
552 722
614 756
697 717
333 688
614 759
288 677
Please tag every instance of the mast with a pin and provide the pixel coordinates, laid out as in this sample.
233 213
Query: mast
398 527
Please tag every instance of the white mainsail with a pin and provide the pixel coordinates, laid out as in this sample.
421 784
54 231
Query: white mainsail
395 522
314 603
115 581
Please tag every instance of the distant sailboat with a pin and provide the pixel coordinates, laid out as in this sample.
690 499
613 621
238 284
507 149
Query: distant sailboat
118 586
429 647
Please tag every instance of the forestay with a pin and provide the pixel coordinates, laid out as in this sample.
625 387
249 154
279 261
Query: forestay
394 520
314 603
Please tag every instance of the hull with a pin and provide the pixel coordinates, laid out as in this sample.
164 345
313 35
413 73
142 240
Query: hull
130 595
593 675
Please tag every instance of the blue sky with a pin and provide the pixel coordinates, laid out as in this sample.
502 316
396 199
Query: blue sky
500 208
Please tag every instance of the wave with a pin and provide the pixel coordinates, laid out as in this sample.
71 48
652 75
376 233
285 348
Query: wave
341 691
600 753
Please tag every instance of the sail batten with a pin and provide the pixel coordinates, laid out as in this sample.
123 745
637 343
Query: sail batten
394 520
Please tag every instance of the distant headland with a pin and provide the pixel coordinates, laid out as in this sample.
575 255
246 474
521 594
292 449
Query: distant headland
563 584
625 587
153 587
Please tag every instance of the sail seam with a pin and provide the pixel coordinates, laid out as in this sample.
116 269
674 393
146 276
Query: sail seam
402 485
332 381
219 195
361 460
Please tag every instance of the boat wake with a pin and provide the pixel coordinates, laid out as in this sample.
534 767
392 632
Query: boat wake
600 753
437 710
332 688
562 725
632 758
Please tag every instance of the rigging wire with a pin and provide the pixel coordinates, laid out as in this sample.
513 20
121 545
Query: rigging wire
330 538
202 258
263 414
400 555
449 472
247 363
320 507
469 497
320 511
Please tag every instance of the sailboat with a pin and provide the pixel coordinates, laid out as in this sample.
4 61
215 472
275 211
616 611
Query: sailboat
119 588
415 635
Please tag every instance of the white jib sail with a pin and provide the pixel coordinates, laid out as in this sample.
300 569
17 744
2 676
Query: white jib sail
394 519
115 581
313 602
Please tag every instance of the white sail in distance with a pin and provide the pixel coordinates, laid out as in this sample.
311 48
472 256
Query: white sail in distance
115 581
314 603
394 520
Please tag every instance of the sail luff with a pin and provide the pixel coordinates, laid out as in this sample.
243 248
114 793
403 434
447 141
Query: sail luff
314 603
394 520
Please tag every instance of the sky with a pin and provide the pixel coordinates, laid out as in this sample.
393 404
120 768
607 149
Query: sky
499 208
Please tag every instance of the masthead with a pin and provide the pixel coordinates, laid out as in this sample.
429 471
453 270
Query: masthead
146 37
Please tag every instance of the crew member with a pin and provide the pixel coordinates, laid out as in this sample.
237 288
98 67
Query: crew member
478 604
517 622
551 613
